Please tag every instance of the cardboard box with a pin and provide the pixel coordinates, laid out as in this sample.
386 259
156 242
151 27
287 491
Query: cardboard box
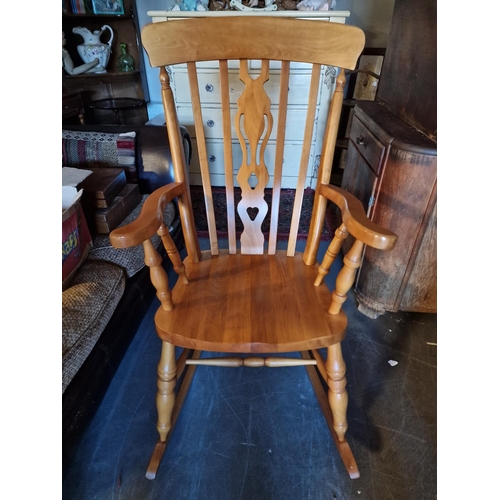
76 239
107 219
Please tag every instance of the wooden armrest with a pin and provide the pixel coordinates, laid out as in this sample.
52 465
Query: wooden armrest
150 219
356 221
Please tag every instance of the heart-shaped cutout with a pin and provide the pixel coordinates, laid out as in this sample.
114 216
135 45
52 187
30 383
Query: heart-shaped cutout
252 212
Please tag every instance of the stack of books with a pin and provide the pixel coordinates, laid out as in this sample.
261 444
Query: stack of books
107 198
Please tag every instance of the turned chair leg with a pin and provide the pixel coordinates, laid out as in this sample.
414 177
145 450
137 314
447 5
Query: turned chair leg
165 399
337 395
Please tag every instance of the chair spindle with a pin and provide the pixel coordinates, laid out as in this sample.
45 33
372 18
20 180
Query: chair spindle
331 254
345 278
252 362
159 277
172 252
304 159
228 154
203 157
280 150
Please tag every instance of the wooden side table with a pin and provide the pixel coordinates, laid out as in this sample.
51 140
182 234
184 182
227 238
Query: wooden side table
392 168
72 105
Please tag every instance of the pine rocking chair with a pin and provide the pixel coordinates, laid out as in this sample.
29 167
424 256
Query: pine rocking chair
252 298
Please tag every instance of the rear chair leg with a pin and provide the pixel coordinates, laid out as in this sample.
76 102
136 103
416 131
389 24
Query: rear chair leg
337 395
165 399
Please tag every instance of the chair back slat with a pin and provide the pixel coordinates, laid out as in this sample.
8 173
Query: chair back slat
203 156
253 123
280 149
304 160
228 154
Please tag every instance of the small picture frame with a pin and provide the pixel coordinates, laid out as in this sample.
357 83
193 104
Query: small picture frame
109 7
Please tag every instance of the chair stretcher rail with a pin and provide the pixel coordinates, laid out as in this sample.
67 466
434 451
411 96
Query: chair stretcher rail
251 362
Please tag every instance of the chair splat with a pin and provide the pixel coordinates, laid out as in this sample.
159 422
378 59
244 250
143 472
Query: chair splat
254 119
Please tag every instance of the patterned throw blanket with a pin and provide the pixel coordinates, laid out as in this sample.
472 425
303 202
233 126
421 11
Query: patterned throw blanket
100 149
285 213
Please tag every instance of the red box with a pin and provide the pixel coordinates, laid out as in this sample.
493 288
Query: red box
76 240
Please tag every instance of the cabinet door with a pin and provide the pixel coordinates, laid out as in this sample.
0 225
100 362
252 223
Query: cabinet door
359 179
420 292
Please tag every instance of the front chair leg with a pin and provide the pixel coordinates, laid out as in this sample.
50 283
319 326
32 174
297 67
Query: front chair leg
337 395
165 399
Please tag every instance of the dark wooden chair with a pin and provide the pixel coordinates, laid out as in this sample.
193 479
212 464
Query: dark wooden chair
252 298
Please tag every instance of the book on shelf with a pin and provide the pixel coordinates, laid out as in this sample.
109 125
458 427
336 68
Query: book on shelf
81 7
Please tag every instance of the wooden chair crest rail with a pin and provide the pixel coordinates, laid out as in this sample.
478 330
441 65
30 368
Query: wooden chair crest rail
252 298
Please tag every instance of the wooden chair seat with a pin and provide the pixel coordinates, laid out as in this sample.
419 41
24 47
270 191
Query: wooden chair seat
250 304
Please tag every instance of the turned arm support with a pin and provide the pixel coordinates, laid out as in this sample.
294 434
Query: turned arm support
150 219
331 254
346 276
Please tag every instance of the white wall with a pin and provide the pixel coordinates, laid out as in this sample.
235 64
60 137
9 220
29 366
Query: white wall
372 16
155 106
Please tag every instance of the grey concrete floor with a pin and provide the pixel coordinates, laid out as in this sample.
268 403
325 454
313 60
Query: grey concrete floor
260 434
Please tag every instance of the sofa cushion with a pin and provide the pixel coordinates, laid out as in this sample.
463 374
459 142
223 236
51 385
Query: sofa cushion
86 149
87 306
130 259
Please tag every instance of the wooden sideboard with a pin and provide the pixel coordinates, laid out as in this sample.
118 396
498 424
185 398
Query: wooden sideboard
391 167
210 98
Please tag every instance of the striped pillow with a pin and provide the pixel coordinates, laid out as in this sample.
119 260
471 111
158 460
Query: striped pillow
100 149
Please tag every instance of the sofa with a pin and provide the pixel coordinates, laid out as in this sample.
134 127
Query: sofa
108 296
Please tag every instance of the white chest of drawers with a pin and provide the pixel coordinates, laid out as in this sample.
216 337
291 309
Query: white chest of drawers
209 85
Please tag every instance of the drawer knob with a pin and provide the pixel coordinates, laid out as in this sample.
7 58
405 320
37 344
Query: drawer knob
210 123
360 141
209 87
212 158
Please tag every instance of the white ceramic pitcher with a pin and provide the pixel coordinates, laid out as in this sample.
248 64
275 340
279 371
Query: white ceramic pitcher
92 47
